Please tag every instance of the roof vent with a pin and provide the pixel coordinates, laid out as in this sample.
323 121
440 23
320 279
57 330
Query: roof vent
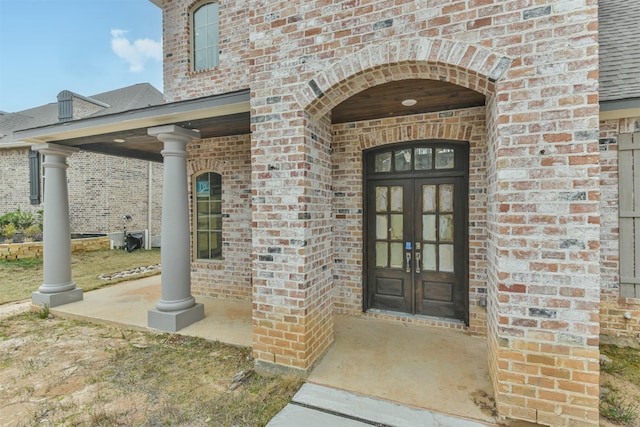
65 106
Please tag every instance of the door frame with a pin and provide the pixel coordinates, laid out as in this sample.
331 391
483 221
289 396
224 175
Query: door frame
369 177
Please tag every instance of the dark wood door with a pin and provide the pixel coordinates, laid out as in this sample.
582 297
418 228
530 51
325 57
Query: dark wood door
417 243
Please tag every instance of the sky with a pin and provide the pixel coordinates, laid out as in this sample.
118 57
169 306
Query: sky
85 46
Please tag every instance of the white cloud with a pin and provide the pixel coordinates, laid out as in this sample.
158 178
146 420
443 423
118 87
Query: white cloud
137 53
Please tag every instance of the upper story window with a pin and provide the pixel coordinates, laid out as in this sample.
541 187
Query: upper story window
208 216
205 37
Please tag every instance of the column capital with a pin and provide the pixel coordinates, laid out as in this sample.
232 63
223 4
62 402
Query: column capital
55 149
173 133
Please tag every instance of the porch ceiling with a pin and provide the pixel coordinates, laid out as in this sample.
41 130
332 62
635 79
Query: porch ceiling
219 115
385 100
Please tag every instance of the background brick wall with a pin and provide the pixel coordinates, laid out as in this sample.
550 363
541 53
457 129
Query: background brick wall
14 174
229 277
101 189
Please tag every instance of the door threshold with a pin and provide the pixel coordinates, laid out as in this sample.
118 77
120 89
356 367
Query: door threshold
417 319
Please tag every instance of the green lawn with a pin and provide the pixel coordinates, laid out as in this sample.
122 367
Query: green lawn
19 278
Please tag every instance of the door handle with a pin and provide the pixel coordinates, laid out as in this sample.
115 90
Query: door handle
418 258
407 258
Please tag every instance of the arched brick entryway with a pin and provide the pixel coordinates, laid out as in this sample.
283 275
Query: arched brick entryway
518 278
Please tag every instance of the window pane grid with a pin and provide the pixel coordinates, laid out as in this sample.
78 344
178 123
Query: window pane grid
208 223
205 37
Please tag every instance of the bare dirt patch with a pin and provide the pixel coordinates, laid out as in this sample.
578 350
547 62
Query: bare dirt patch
62 372
619 386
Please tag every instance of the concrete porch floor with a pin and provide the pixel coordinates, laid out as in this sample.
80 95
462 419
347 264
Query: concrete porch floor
437 369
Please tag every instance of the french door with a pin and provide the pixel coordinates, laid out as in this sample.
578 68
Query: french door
417 250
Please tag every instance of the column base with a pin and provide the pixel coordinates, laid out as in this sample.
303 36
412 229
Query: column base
173 321
57 298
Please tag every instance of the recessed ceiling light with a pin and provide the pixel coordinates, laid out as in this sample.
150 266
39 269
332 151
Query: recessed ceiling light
409 102
119 140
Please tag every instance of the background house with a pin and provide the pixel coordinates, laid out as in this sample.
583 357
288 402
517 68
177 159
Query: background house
102 187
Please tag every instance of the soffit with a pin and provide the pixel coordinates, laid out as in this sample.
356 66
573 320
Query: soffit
214 116
385 100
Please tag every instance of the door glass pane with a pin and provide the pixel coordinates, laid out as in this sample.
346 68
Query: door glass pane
396 199
429 227
396 255
445 158
382 254
383 162
446 198
429 257
428 198
381 199
382 227
397 229
446 228
423 159
403 160
446 258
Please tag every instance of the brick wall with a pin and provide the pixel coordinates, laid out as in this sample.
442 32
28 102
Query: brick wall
614 326
229 277
180 82
14 174
536 62
101 189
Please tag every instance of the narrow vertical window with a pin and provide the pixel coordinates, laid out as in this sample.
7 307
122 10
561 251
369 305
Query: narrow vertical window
34 177
205 37
208 216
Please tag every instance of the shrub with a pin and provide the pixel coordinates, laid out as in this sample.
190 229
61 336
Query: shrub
21 220
32 231
9 230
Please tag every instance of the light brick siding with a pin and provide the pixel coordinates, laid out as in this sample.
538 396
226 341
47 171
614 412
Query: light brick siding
180 82
101 189
229 157
535 194
14 173
613 307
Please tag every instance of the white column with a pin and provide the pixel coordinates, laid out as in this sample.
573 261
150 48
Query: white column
58 288
177 307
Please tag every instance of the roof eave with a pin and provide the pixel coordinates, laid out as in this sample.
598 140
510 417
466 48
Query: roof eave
620 109
214 106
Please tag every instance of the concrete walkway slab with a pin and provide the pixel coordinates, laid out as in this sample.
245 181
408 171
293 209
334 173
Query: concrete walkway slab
126 304
393 363
423 367
316 405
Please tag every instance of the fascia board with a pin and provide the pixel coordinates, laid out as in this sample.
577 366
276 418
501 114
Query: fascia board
221 105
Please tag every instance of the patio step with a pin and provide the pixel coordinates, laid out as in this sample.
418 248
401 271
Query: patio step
319 406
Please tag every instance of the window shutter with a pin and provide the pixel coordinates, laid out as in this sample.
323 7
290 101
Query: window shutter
629 211
34 177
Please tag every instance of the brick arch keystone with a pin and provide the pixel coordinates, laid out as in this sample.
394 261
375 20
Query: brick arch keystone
204 165
471 66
